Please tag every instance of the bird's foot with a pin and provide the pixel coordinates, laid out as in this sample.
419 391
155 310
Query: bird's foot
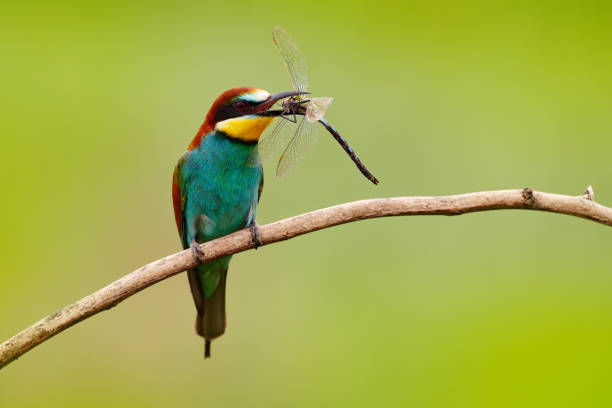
255 234
197 252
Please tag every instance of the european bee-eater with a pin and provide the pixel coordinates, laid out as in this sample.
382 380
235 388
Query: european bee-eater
215 191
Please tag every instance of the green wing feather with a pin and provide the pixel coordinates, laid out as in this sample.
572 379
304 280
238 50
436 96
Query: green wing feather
179 198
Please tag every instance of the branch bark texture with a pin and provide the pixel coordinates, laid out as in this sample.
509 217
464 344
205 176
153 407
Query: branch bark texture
580 206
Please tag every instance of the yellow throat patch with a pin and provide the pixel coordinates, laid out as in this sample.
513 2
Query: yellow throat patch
245 128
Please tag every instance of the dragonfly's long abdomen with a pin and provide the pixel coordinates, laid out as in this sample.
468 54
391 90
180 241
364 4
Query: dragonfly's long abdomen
362 168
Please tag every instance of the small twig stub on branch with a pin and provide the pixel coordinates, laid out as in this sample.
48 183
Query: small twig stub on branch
589 194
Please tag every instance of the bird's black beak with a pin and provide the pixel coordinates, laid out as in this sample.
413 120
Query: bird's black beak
268 103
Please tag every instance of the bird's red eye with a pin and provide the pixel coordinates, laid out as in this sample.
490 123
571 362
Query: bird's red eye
240 105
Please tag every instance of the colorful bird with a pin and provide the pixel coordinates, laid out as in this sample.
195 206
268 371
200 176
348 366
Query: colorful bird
215 191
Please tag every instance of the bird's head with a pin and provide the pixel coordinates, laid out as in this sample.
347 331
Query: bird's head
240 114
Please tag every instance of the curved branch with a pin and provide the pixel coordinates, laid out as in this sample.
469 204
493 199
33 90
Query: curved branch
107 297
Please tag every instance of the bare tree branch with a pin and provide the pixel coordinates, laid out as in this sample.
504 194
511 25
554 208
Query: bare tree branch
107 297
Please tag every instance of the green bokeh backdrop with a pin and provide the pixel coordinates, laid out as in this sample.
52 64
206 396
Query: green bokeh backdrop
504 309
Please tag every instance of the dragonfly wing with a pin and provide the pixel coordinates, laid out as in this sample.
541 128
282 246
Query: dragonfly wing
316 108
294 62
271 143
304 137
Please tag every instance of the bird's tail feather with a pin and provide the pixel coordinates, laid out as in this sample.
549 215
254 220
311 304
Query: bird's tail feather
207 348
211 320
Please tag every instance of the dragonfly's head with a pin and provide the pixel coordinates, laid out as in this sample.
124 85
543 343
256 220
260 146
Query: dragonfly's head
241 113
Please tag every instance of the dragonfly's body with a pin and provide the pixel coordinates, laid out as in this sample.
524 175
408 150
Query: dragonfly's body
297 141
362 168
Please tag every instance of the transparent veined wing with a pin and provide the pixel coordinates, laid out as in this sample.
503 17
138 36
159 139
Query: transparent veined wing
272 143
316 108
304 137
294 62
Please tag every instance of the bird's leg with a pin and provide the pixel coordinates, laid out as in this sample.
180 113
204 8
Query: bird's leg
255 234
197 251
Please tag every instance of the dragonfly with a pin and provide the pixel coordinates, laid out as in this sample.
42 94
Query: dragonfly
297 130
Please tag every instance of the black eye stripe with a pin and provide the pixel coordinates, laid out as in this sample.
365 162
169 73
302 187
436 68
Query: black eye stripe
232 110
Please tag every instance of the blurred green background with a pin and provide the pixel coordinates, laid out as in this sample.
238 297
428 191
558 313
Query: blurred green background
505 309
